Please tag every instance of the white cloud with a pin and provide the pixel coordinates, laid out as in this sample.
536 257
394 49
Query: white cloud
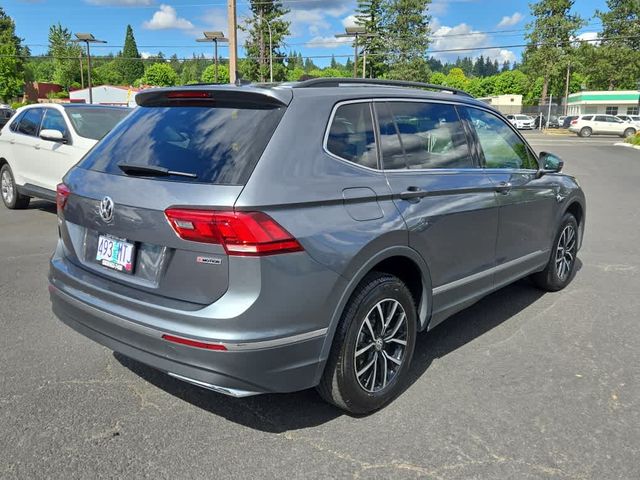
350 21
327 42
125 3
591 36
310 18
510 21
167 18
463 41
147 54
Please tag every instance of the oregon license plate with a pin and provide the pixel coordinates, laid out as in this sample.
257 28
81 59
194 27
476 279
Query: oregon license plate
115 253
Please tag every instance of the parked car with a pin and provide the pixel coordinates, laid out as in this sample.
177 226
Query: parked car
632 119
561 120
554 122
231 238
587 125
566 123
521 122
43 141
5 115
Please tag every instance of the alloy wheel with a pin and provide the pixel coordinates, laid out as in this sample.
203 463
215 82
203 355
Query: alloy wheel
566 252
380 345
7 187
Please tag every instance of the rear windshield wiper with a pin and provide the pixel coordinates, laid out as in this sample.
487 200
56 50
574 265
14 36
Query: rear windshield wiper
152 171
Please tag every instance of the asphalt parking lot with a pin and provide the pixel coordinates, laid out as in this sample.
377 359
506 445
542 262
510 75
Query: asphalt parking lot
522 385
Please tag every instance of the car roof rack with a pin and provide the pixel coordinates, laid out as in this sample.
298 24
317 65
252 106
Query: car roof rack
366 82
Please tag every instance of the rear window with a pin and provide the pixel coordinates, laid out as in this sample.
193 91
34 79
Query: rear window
95 123
218 145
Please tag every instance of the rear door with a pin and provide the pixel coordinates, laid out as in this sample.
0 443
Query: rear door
177 153
446 200
600 124
527 203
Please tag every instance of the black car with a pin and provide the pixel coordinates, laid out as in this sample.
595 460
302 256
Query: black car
567 121
5 115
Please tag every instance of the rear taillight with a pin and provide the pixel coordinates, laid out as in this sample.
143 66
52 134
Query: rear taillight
62 194
573 122
189 94
240 233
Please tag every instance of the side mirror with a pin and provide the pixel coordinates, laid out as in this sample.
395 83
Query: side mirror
549 163
52 136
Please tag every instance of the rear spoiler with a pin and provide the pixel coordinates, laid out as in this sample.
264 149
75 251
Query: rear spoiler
227 95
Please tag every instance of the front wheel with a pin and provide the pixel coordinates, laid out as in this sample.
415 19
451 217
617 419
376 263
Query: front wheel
10 196
373 346
629 132
560 269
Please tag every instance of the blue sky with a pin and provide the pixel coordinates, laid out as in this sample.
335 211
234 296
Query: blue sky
171 26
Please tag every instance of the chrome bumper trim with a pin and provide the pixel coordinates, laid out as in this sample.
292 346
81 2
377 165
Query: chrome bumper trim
232 392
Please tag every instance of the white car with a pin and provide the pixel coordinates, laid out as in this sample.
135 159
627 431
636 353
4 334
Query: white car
521 122
632 119
42 142
587 125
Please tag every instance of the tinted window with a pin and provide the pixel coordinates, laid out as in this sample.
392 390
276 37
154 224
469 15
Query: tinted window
588 117
501 146
431 136
95 122
351 135
600 118
614 120
30 122
219 145
53 120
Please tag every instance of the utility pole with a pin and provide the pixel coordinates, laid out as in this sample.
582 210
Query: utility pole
233 40
356 32
566 89
88 38
214 37
81 72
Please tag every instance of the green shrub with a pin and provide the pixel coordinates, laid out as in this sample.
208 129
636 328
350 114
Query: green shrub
634 139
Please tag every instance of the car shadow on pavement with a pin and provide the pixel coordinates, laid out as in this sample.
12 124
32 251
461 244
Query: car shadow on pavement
278 413
43 206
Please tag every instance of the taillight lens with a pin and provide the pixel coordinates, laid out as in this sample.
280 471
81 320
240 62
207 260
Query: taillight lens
194 343
62 194
241 233
573 122
189 94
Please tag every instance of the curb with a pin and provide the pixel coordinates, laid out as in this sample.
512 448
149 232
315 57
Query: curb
627 145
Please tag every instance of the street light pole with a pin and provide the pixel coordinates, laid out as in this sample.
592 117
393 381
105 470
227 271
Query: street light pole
88 38
355 33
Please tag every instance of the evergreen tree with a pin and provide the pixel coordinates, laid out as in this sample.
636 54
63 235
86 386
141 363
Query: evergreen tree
549 37
479 67
64 53
11 64
309 65
369 14
265 14
506 66
334 63
130 64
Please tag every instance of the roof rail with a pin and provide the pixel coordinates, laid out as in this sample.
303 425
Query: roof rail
365 82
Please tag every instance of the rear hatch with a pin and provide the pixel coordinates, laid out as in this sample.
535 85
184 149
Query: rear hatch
182 150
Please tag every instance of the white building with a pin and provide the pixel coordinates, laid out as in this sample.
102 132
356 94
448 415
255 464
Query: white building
608 102
507 104
106 95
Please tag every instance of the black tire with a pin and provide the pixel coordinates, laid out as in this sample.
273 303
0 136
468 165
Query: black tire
340 384
585 132
629 132
11 198
556 274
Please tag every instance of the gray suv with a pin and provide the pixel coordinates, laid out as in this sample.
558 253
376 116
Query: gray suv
252 239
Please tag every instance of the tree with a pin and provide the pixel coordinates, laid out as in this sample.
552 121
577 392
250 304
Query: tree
457 79
265 15
615 63
11 64
107 73
406 28
438 78
66 56
370 15
549 39
130 65
511 82
209 74
159 75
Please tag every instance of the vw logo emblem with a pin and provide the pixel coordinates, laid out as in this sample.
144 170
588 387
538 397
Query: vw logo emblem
106 209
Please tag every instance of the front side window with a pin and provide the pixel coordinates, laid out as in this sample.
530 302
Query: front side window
351 136
421 135
611 110
30 122
501 146
53 120
614 120
16 121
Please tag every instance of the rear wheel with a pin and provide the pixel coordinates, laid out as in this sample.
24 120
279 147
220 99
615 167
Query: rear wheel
559 271
586 132
629 132
373 346
10 195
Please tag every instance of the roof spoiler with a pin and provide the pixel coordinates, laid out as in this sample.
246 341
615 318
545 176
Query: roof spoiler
202 95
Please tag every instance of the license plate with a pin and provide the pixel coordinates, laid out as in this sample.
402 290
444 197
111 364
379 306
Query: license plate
115 253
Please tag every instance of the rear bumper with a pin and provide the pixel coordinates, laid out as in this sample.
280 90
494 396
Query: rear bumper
289 365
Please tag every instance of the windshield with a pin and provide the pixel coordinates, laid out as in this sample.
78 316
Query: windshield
95 122
213 144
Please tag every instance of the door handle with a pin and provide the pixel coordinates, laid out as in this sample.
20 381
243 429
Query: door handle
413 193
504 188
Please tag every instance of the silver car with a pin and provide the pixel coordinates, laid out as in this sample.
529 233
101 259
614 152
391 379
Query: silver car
252 239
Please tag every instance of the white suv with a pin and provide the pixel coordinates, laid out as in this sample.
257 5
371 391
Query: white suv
522 122
632 119
587 125
42 142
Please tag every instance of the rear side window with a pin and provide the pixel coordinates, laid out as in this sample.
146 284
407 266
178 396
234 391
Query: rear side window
351 135
588 117
501 146
95 122
431 136
30 122
217 145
